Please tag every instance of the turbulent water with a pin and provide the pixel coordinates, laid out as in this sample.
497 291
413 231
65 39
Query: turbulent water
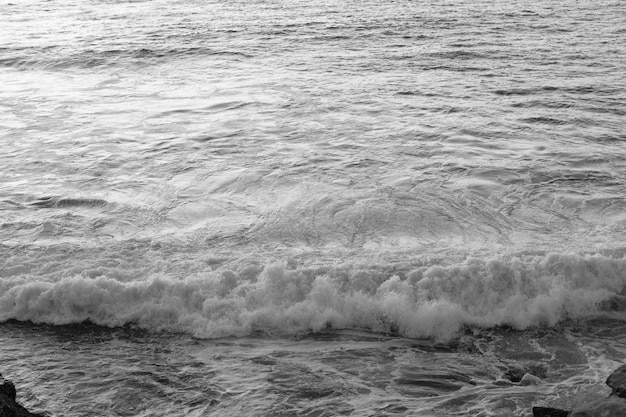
311 208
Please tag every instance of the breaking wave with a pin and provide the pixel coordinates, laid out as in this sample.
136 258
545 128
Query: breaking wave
436 301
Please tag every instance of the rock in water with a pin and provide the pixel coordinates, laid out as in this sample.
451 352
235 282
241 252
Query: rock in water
614 406
530 379
617 381
606 407
549 412
8 406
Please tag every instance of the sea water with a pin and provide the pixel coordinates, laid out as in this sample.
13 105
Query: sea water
311 208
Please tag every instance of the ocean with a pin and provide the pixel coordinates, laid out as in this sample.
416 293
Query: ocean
311 208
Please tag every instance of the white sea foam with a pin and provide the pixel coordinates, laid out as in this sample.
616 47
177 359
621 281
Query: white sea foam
434 301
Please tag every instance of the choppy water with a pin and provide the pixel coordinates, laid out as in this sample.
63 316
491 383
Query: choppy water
311 208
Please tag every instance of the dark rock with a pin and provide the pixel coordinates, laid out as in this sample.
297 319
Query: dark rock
549 412
8 405
617 381
605 407
7 389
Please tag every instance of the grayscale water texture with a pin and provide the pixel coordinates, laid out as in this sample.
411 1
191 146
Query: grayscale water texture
311 208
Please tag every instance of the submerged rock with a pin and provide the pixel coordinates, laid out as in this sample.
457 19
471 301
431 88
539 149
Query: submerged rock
503 383
605 407
613 406
617 381
530 379
516 372
8 405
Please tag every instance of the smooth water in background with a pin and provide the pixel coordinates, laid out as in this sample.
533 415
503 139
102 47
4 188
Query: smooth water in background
316 208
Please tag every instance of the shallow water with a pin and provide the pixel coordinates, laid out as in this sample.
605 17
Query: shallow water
90 370
311 208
